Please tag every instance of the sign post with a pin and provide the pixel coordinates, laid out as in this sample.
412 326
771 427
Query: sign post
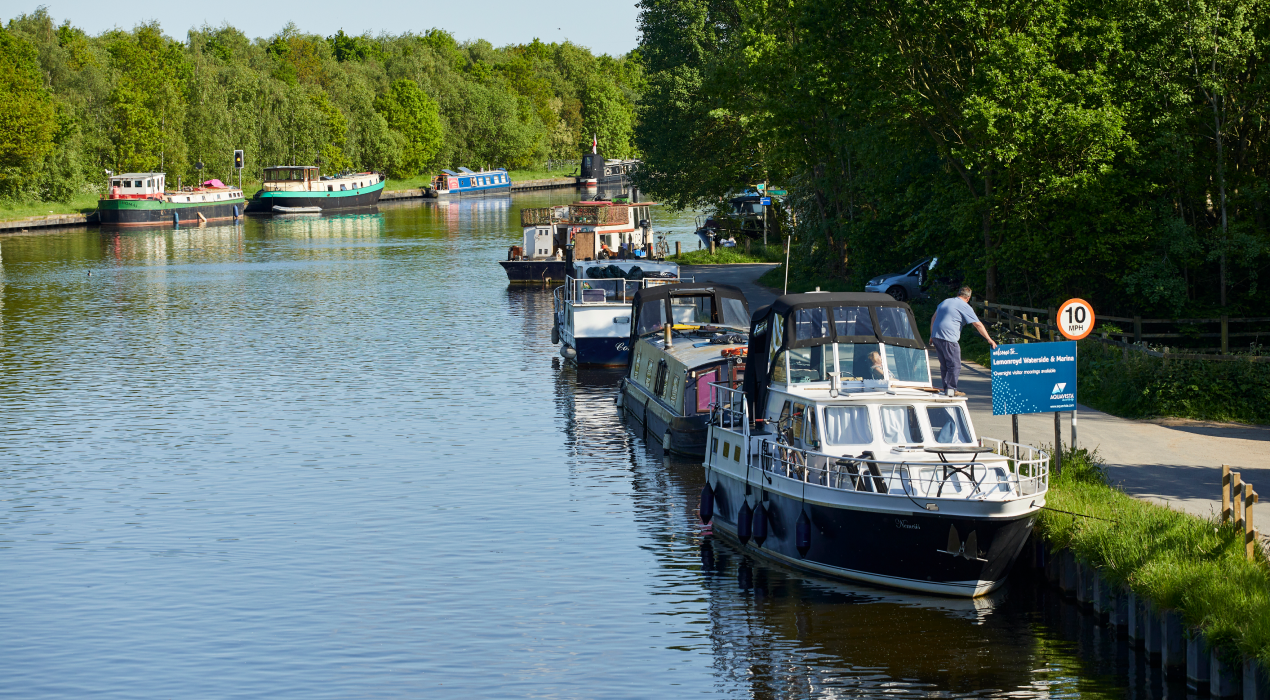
1035 378
1075 322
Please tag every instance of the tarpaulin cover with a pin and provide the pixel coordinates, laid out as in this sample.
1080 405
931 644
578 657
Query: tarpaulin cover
213 183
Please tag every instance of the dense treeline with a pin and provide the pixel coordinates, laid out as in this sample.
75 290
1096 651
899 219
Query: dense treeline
74 105
1043 148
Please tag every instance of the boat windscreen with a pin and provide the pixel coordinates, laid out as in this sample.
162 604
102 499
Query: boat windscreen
949 424
734 313
811 323
652 317
853 320
692 310
907 364
809 364
860 361
893 322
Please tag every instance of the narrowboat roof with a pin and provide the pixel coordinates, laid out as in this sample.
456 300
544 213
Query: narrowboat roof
467 172
292 167
689 353
137 175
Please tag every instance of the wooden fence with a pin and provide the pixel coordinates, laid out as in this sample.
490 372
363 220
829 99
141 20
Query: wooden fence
1026 322
1237 499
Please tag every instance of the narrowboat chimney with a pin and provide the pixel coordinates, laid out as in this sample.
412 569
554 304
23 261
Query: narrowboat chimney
668 334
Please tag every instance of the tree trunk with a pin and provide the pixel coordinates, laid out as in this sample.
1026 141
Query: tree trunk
990 264
1221 190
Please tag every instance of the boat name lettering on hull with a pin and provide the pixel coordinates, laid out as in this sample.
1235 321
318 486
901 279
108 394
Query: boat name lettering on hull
904 524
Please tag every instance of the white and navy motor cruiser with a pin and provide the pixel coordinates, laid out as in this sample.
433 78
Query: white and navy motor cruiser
838 456
684 337
593 308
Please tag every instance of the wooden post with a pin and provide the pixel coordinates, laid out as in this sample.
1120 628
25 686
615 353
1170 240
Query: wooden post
1137 329
1058 443
1250 534
1237 510
676 249
712 245
1225 335
747 246
1053 324
1225 494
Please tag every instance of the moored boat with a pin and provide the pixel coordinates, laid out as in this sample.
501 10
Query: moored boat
597 171
304 186
684 337
141 199
470 182
838 456
555 237
593 309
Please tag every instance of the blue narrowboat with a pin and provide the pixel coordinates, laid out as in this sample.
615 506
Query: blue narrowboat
468 182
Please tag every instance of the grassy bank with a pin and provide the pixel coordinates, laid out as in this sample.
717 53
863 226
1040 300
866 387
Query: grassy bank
730 256
1178 561
80 204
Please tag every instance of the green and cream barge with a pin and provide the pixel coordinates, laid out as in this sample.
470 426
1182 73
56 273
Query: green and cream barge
303 187
141 199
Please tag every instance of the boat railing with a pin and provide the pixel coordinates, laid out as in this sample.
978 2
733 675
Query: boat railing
611 290
581 215
728 408
1023 473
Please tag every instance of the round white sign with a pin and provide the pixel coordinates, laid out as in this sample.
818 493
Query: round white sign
1075 319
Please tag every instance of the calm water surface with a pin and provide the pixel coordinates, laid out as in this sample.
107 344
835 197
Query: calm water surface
336 457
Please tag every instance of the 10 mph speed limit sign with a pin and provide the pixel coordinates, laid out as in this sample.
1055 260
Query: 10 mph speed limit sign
1075 319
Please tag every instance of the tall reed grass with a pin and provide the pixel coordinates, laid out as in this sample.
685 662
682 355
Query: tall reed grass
1178 561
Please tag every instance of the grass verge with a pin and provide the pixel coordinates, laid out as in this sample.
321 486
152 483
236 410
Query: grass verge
1178 561
80 204
729 256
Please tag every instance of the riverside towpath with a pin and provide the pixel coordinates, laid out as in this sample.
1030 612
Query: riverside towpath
1172 462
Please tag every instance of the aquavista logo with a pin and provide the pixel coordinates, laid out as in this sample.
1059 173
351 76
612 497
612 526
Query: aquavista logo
1059 387
1058 395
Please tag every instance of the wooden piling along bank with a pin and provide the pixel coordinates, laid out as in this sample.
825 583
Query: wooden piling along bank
1181 652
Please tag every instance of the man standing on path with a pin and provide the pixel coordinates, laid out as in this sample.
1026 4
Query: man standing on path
945 334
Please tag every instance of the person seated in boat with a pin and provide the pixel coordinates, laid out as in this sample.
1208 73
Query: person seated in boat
605 252
876 368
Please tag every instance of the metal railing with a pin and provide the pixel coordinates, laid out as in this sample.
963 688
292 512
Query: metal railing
582 215
1023 472
613 290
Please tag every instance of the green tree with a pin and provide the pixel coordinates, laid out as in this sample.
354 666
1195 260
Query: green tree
415 117
28 114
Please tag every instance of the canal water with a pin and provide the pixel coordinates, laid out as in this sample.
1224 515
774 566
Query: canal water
337 456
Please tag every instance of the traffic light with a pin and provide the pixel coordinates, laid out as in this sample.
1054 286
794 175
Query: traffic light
238 159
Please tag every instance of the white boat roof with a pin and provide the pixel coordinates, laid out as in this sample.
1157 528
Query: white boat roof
138 175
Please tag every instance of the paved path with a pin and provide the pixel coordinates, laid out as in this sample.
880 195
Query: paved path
741 276
1173 462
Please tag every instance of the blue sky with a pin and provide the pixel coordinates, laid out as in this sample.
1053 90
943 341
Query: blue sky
608 26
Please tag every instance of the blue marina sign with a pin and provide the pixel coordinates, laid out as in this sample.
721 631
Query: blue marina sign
1034 378
765 201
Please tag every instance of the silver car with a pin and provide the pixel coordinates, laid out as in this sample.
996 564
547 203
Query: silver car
904 286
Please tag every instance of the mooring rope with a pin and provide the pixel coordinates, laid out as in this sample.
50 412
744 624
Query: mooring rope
1092 517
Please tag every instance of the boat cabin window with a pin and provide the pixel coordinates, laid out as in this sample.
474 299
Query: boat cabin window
808 364
692 310
852 320
734 313
900 426
779 373
907 364
652 317
893 322
860 361
847 425
948 423
811 323
777 338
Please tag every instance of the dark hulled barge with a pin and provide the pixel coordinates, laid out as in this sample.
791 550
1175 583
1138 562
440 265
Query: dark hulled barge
585 232
684 337
839 457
